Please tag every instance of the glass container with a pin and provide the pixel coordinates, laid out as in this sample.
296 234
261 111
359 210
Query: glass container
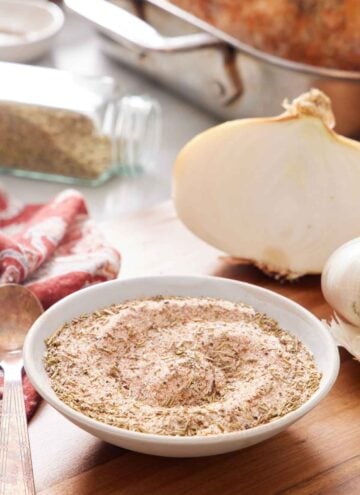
64 127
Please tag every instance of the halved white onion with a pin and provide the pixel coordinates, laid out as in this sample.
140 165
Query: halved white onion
282 193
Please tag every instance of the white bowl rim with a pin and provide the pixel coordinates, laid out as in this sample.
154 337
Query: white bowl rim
53 27
277 424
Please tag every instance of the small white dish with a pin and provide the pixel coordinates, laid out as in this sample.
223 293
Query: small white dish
27 28
290 315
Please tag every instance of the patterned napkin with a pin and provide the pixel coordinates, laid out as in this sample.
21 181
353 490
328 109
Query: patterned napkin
54 250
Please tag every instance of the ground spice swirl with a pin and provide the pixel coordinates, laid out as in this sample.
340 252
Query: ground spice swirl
180 366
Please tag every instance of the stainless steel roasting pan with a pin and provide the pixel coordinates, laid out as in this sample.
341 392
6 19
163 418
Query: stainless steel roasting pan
211 68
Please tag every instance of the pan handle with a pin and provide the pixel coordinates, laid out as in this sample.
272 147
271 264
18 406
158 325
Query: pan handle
123 26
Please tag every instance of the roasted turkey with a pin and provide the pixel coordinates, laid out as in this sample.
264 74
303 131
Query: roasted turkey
318 32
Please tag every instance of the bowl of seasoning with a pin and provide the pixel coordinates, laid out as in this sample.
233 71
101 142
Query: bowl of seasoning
180 366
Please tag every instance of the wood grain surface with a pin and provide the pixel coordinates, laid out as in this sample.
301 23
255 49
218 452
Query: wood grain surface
320 454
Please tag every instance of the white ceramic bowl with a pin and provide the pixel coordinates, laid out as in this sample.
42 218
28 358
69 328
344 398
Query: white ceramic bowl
27 28
290 315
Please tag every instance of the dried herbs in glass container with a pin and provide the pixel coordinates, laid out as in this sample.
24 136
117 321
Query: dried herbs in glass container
59 126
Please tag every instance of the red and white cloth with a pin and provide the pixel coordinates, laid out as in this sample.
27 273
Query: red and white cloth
54 250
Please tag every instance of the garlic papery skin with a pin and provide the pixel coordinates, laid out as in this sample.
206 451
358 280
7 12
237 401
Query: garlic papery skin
340 282
281 193
345 335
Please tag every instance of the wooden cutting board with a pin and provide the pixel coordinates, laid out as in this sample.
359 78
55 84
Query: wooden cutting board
320 454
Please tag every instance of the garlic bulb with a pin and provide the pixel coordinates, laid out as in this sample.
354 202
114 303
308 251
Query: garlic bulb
281 193
340 281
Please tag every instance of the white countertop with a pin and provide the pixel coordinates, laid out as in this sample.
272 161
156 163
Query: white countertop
77 49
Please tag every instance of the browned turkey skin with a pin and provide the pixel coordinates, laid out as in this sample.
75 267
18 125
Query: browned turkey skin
318 32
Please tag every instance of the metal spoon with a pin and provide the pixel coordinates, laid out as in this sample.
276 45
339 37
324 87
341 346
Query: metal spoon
19 308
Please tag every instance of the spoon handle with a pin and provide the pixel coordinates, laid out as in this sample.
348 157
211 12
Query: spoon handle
16 475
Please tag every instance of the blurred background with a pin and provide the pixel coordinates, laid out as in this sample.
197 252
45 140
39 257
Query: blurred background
77 48
196 65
